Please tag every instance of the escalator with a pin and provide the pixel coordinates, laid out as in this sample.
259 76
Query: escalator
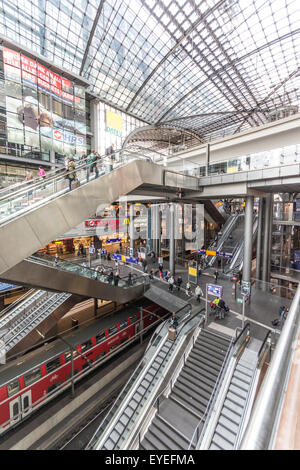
235 265
36 215
44 272
231 224
25 322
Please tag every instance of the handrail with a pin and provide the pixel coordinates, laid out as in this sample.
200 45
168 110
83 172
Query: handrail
62 263
171 380
62 172
250 389
263 423
213 396
16 302
247 326
130 381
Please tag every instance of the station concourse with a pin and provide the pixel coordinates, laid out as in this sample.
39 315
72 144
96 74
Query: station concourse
149 225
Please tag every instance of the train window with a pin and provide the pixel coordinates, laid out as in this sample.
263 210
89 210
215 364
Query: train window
26 403
100 337
68 355
15 410
32 376
13 387
87 345
113 330
133 319
123 324
54 386
52 365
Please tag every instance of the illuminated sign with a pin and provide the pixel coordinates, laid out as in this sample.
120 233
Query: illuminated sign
114 123
115 223
212 289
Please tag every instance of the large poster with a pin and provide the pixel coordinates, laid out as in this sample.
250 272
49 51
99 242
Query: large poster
43 109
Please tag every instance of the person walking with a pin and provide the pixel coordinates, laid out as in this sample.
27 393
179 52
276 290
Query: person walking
198 293
171 283
110 278
216 273
116 278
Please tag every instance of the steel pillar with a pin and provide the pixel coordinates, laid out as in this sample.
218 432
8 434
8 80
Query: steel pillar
248 236
172 238
266 254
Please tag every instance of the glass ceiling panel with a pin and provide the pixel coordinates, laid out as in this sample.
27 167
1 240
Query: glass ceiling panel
164 60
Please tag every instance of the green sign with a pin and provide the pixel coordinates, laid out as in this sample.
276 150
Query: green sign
240 301
113 131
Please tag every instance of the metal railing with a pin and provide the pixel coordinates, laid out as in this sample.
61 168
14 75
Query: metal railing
263 423
124 282
264 349
128 389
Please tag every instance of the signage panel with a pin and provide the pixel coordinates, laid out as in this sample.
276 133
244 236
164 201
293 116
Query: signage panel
214 290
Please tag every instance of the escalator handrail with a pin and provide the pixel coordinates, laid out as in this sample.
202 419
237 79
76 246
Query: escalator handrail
63 173
250 390
139 366
16 302
247 326
36 258
213 395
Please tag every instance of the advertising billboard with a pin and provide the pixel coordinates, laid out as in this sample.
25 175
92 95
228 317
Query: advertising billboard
43 109
114 123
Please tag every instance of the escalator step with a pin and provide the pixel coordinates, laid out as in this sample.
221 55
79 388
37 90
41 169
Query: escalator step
217 353
197 380
192 389
222 441
208 355
158 439
239 392
212 344
228 424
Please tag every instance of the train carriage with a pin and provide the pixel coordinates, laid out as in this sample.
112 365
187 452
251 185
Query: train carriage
30 382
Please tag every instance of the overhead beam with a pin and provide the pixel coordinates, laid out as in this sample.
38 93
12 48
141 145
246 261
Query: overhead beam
91 36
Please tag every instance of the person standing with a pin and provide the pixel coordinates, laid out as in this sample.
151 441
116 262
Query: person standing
188 289
198 293
71 173
216 273
179 282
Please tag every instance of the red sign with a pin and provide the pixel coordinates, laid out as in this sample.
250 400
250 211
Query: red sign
34 72
103 222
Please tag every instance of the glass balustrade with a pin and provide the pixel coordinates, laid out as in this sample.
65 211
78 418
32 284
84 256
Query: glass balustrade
104 276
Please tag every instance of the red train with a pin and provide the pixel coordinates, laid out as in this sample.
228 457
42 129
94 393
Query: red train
32 381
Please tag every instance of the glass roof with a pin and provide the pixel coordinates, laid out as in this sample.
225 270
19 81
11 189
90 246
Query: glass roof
212 67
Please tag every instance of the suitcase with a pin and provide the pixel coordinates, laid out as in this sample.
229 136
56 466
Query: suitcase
75 184
172 334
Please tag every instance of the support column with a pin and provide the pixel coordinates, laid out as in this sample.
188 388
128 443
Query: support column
131 232
207 158
266 256
149 230
172 239
270 236
248 237
182 235
258 243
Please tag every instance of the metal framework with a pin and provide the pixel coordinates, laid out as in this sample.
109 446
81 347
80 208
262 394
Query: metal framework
209 67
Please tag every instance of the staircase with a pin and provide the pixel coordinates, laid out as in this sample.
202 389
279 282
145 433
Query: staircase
230 419
174 423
